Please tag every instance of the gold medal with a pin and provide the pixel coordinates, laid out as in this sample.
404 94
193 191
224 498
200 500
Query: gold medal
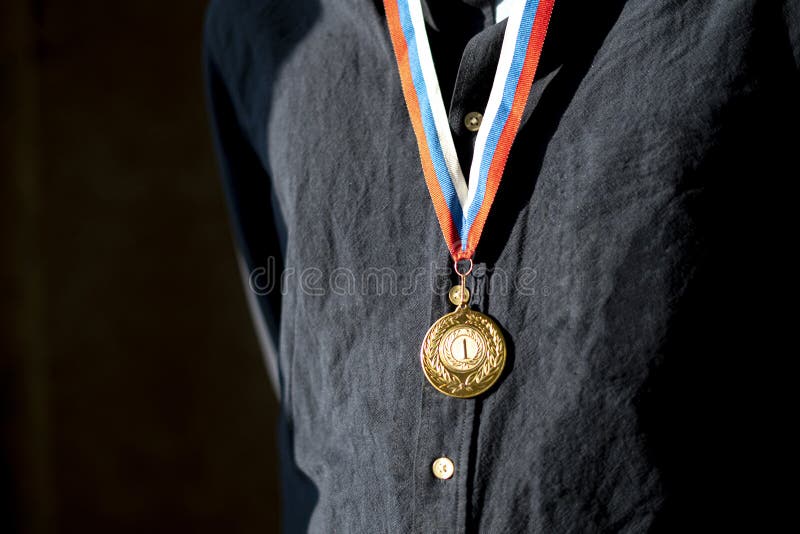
464 352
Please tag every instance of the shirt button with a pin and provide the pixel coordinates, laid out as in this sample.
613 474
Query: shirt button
473 121
443 468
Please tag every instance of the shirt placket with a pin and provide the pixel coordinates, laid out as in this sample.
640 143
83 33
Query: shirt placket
444 459
446 441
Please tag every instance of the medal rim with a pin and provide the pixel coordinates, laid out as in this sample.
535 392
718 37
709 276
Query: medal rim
492 328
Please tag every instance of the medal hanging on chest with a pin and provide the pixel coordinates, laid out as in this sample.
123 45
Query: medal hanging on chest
464 352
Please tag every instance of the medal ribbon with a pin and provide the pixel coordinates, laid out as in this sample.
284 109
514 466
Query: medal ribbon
462 210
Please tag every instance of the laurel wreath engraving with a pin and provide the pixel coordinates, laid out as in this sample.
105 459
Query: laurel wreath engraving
446 356
470 383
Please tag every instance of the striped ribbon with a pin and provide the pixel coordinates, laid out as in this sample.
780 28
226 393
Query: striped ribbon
462 210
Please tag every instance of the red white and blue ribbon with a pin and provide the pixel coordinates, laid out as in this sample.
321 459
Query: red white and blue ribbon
461 209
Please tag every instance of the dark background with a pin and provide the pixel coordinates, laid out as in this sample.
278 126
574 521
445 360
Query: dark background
133 397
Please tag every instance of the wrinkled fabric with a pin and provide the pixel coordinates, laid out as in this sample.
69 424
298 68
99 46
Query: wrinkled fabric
632 257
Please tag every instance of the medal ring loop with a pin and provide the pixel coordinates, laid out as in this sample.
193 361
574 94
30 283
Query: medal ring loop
459 273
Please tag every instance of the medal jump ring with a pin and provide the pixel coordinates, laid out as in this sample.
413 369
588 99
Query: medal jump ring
459 273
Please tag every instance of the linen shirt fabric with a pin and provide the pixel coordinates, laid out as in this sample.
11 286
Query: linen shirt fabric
631 258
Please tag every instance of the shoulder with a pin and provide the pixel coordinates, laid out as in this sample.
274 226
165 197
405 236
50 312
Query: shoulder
791 14
233 25
228 22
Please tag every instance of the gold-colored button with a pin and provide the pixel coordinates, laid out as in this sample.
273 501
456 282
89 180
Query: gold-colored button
455 295
443 468
473 121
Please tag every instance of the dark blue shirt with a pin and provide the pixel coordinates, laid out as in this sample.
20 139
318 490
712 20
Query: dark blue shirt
632 258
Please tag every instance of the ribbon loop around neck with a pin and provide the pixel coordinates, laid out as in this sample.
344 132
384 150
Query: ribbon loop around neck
460 208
